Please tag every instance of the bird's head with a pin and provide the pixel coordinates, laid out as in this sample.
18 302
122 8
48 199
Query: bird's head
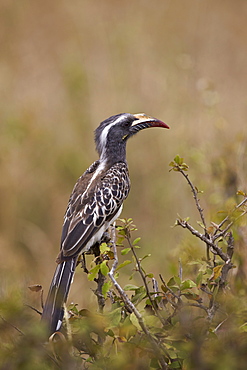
112 134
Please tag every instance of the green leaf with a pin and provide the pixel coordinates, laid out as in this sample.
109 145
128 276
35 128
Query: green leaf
122 232
192 296
187 284
106 287
199 278
175 364
125 251
104 268
125 263
135 321
93 272
110 333
139 295
241 192
177 280
120 240
178 160
104 248
115 317
136 241
130 287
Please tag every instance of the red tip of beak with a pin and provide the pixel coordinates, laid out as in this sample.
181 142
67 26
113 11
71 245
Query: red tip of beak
158 123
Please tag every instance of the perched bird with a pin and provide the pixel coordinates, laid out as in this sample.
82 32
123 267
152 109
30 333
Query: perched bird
95 203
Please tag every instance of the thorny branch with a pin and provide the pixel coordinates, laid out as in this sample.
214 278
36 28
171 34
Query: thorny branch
203 237
130 306
212 239
194 192
140 270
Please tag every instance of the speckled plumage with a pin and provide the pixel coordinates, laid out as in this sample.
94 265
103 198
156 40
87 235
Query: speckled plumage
96 201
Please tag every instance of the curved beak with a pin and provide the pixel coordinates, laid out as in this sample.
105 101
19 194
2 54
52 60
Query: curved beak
144 121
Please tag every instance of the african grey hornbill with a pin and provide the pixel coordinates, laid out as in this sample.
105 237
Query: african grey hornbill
95 203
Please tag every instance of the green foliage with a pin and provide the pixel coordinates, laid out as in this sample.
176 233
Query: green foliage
178 164
193 322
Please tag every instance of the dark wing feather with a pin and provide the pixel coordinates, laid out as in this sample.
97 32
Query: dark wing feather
93 209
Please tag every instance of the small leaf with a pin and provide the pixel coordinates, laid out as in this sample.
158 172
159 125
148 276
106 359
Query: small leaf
93 272
199 279
164 288
106 287
125 263
104 248
136 241
125 251
216 272
122 232
172 282
177 280
134 321
240 192
104 268
110 333
110 255
131 287
178 160
187 284
120 241
115 317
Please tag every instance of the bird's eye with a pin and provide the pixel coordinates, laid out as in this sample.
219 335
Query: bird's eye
127 122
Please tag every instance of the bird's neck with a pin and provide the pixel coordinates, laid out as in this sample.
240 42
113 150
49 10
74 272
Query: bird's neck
113 153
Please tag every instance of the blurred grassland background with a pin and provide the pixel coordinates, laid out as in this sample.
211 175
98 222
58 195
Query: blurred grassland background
65 67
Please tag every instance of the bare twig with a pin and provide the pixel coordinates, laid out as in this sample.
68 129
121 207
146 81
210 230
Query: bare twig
194 192
180 269
34 309
209 242
13 326
198 305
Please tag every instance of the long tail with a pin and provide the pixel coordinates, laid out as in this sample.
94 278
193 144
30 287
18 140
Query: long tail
53 311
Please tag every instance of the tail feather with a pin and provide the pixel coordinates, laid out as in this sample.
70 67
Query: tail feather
53 310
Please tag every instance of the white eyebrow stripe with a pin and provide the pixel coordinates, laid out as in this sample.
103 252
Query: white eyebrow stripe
103 136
